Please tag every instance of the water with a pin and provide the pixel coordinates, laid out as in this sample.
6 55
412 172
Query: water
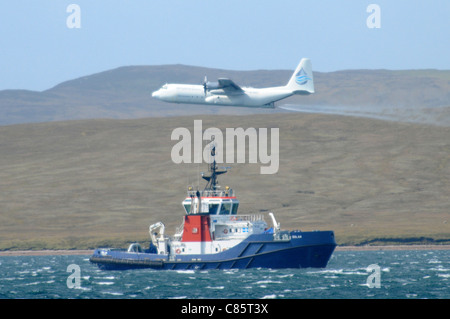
402 275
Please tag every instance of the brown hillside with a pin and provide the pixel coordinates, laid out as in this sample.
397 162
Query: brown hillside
82 184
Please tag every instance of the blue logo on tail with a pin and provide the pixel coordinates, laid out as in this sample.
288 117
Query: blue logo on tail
301 77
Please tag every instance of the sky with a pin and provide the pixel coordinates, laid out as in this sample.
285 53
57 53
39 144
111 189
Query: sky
45 42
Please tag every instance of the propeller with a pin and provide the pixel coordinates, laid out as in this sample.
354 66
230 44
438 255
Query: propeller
210 85
205 85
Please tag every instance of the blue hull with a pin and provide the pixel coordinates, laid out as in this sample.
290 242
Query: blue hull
299 250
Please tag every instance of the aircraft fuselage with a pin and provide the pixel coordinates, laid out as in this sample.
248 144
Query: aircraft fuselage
195 94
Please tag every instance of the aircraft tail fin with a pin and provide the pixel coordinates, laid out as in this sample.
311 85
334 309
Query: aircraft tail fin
302 81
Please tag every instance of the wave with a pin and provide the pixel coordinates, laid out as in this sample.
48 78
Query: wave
402 272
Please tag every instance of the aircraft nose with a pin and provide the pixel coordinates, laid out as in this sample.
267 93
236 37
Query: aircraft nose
155 94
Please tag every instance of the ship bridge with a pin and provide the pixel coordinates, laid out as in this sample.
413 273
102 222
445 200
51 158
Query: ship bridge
212 214
211 202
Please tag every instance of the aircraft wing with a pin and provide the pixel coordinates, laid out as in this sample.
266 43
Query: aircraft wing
228 85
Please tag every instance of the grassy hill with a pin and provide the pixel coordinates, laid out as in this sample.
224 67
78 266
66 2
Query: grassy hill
125 93
89 183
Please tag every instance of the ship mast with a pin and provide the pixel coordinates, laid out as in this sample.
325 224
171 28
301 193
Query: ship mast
213 172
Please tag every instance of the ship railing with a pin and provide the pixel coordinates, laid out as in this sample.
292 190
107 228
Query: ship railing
212 193
224 218
250 218
238 218
179 231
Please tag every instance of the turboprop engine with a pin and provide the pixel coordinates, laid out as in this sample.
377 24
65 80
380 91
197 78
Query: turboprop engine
207 86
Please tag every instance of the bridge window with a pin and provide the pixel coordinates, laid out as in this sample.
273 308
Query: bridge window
213 208
235 209
187 208
225 209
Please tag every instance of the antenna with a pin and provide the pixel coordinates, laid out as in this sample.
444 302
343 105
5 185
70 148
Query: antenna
211 177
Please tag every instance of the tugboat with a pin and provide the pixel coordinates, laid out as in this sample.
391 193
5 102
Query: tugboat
214 236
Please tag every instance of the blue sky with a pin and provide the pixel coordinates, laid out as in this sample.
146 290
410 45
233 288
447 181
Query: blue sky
38 50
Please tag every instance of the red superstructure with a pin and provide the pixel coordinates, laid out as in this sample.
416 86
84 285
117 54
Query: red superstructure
196 228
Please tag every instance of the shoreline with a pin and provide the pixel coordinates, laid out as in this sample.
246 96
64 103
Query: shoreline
338 248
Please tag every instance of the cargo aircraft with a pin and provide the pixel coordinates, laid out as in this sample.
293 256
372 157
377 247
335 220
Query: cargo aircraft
225 92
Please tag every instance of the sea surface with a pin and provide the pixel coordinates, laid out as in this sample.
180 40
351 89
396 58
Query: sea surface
408 274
